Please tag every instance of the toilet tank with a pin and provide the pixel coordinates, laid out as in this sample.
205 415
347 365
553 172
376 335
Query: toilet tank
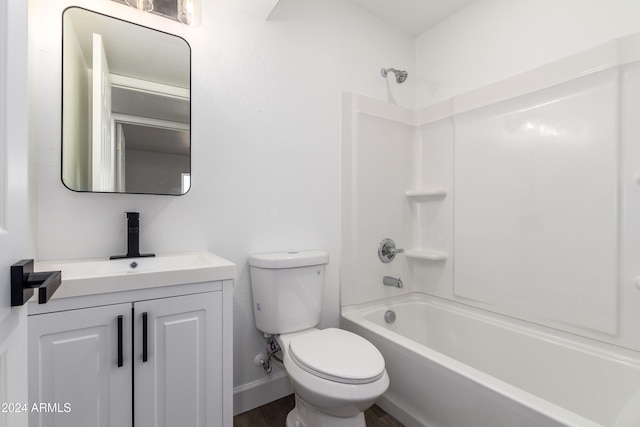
287 290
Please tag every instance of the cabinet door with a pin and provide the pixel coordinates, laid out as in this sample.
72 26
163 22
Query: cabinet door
179 382
74 377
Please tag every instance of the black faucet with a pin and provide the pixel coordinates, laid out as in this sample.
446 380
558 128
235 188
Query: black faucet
133 238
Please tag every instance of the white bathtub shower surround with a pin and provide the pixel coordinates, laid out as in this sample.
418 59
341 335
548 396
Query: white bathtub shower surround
455 365
377 155
536 185
520 198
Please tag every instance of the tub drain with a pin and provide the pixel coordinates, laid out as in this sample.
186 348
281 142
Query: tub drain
389 316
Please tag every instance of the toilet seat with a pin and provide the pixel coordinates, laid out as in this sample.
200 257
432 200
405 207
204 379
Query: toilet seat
337 355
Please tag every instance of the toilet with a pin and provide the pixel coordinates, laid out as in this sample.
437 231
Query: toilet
336 375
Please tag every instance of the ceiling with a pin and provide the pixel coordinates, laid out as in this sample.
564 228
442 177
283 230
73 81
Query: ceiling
413 16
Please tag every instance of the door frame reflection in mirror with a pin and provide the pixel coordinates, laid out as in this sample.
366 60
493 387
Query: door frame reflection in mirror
150 92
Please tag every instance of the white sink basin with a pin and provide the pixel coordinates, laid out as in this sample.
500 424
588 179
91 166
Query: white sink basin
102 275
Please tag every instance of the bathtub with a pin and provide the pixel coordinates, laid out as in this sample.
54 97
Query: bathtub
456 366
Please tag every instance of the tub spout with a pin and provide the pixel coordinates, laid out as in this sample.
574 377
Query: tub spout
392 281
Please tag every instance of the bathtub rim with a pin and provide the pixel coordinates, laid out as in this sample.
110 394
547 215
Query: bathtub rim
357 313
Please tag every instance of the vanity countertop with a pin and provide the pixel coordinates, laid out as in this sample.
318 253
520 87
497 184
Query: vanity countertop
94 276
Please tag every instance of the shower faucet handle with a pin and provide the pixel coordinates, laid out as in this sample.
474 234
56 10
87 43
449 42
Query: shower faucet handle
387 250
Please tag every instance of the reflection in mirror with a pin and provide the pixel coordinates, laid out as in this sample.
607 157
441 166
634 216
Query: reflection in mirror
126 109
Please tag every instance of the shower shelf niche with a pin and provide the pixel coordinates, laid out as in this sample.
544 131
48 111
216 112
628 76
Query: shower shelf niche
426 255
424 195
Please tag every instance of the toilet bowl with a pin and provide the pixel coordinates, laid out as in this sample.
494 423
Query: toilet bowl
336 375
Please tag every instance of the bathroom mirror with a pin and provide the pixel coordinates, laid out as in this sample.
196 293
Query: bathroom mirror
126 110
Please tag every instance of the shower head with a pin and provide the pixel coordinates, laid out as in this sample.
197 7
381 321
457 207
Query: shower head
401 76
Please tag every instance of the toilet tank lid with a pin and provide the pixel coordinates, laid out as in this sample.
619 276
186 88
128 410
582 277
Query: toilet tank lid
289 259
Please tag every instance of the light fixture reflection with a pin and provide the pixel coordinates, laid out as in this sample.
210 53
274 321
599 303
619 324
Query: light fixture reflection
542 128
142 5
189 12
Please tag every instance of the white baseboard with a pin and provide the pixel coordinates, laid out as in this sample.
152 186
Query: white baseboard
260 392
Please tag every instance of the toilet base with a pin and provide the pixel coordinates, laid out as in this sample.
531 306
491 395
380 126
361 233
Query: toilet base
306 415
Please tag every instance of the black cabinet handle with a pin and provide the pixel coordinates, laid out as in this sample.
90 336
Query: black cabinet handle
120 355
145 355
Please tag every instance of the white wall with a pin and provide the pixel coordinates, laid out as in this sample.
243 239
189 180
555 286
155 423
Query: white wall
266 140
491 40
379 146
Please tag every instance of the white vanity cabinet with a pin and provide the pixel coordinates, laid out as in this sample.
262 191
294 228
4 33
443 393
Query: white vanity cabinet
73 367
151 357
178 378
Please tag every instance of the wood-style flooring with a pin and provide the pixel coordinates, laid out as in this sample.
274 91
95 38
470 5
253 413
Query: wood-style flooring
274 414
